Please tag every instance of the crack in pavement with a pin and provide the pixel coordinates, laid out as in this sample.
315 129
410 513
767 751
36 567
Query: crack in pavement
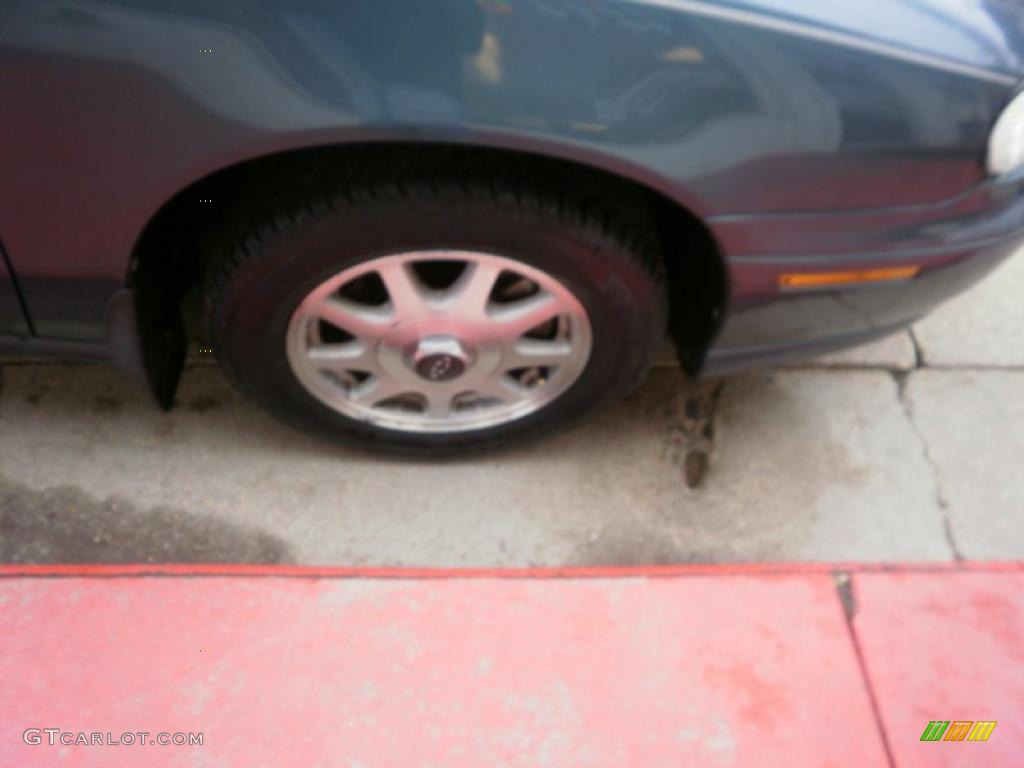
981 367
902 380
919 361
848 599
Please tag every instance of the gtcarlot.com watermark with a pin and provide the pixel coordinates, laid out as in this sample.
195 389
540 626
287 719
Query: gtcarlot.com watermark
56 736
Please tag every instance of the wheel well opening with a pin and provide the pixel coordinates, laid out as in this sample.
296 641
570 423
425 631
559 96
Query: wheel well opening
180 241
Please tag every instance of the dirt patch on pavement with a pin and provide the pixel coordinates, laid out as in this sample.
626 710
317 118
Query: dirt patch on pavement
65 525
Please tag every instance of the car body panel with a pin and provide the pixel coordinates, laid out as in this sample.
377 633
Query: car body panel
982 36
13 322
790 128
764 326
954 244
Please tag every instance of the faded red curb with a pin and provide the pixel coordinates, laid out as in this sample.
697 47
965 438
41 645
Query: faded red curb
595 572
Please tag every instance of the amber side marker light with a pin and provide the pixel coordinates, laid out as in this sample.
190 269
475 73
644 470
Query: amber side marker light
827 279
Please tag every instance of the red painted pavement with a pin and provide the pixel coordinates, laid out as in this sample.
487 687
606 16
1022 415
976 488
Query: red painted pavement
946 647
678 666
734 671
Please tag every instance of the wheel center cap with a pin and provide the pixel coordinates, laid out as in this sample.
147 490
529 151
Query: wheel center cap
440 358
440 367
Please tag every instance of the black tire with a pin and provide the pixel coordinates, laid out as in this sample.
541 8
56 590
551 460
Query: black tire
607 259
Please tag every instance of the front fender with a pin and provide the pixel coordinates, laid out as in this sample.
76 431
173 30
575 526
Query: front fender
110 109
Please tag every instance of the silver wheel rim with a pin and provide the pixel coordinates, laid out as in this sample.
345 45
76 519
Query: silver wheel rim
438 341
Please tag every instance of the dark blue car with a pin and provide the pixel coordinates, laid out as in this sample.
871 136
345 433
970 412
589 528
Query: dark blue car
441 224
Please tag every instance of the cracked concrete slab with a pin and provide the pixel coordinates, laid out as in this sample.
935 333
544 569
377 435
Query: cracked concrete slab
980 327
973 422
807 465
819 465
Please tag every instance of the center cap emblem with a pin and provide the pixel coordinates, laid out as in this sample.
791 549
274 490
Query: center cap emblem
440 367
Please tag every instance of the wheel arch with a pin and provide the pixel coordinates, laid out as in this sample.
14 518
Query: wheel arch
171 251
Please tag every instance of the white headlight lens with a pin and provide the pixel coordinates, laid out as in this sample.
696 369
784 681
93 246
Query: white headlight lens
1006 145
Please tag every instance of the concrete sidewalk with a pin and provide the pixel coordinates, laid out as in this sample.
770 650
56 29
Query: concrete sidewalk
907 450
713 666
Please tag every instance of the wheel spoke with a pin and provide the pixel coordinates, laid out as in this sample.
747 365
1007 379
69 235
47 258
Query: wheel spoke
439 401
501 388
528 353
515 319
469 294
360 320
350 356
375 390
407 293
